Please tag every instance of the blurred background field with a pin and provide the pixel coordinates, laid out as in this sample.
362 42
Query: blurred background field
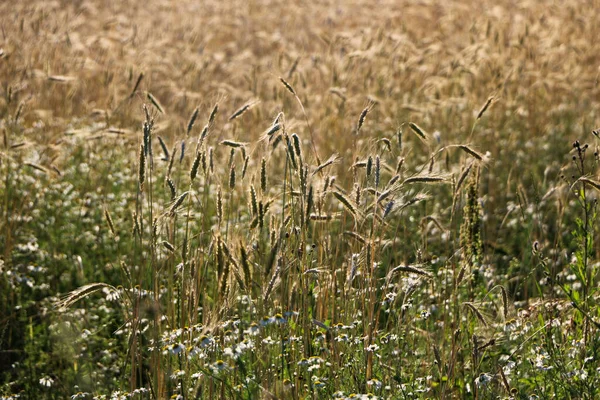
386 199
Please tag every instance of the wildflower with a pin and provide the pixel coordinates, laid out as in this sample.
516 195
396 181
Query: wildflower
177 374
229 352
539 360
278 318
206 341
315 360
483 379
508 367
342 338
244 345
194 351
220 366
339 325
512 325
374 383
111 295
372 348
318 384
253 330
303 362
389 298
176 348
313 367
46 381
238 388
269 340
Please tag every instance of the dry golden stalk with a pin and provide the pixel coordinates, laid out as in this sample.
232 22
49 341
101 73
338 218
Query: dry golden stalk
418 130
137 84
485 107
242 110
470 151
361 119
346 203
413 270
109 220
192 121
288 86
425 179
155 102
177 203
142 167
476 312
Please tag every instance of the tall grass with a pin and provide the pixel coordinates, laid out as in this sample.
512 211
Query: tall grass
269 200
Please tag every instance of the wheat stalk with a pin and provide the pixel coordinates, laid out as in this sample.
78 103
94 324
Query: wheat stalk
178 202
109 220
192 121
418 130
81 293
137 84
485 107
476 312
155 102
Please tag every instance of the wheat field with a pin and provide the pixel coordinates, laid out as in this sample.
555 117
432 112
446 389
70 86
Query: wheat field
327 199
